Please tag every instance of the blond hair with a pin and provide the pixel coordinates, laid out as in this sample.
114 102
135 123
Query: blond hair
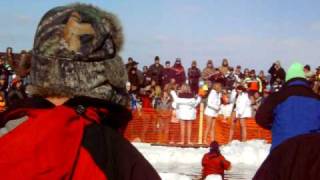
157 91
185 88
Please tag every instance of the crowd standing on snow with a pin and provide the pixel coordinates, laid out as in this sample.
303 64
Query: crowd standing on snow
234 93
173 92
78 105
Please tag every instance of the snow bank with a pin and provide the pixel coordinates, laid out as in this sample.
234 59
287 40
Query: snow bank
213 177
180 163
171 176
251 153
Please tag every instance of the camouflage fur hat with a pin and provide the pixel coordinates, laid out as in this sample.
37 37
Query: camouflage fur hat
75 53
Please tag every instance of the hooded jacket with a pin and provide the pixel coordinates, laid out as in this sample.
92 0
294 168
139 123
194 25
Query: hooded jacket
213 163
292 111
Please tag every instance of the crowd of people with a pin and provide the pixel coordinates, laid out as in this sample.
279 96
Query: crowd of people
14 76
228 92
171 93
72 126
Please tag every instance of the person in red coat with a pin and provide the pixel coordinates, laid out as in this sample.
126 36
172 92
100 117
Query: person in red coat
147 111
213 162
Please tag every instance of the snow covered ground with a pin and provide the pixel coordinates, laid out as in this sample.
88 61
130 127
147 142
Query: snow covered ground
175 163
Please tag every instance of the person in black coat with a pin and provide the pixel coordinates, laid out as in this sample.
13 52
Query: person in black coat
16 91
134 79
194 75
277 73
155 70
295 159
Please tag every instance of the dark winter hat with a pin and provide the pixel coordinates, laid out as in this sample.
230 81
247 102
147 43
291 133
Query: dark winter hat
307 67
75 53
214 147
135 63
167 62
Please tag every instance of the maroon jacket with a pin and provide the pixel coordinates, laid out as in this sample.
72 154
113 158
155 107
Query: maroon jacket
166 75
180 74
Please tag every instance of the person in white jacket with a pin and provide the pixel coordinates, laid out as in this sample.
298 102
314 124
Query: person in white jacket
243 111
227 103
186 110
211 111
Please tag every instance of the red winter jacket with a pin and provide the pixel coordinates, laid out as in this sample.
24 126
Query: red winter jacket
214 164
77 140
146 104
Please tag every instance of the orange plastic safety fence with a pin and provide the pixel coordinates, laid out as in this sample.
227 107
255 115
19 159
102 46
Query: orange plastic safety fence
151 126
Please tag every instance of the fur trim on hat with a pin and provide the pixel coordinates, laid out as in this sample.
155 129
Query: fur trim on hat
103 80
75 53
60 14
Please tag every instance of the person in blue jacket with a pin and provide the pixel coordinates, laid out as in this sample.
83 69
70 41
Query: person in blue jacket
292 111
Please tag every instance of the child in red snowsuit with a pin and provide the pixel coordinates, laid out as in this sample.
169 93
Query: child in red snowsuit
213 162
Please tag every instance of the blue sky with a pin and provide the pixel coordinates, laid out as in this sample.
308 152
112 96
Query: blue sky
252 33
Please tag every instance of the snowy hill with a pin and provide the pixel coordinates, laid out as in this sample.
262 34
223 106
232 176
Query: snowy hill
175 163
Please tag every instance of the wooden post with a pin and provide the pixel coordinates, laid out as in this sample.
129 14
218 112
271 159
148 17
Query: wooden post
200 123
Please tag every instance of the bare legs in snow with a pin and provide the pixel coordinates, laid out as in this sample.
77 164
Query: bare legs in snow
243 127
209 128
183 124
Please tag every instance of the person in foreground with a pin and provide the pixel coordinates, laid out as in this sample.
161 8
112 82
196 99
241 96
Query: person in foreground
213 162
71 127
293 113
